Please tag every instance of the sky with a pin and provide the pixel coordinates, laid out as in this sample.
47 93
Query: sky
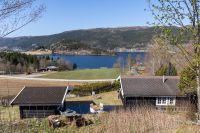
65 15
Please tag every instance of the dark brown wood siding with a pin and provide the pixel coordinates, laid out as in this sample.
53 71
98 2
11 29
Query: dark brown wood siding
151 101
37 111
138 101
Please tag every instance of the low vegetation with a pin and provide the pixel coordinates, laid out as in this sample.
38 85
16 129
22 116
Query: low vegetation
141 119
99 87
103 73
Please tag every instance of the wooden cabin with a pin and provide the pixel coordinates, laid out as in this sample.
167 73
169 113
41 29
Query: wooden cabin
40 102
158 91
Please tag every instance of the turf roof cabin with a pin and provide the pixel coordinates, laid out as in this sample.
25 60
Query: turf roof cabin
40 102
158 91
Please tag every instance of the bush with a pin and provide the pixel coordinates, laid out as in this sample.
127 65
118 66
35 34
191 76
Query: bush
99 87
187 82
167 70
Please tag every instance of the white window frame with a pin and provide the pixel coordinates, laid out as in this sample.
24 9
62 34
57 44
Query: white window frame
159 100
169 101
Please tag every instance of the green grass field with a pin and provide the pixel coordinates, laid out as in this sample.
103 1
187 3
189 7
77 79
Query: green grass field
103 73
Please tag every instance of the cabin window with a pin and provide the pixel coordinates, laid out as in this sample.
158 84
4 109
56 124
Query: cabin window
159 100
165 101
171 100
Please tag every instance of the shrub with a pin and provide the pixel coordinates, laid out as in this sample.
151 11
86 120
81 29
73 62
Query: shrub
188 80
99 87
167 70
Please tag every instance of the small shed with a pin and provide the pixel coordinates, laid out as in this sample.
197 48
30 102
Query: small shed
40 102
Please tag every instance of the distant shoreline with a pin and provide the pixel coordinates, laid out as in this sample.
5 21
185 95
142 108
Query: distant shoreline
48 52
132 51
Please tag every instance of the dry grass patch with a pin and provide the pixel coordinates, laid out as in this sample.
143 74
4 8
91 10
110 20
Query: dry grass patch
188 129
9 113
139 120
142 120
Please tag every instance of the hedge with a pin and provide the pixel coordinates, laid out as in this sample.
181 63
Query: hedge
99 87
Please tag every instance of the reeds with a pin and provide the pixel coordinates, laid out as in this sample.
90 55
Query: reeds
142 120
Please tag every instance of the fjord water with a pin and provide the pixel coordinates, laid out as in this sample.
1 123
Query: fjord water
92 62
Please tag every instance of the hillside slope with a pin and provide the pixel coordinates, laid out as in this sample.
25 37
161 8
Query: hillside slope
102 38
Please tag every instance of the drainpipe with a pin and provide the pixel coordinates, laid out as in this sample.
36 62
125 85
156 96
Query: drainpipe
163 78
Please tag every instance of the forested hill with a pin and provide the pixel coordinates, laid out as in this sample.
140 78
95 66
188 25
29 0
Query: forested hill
103 38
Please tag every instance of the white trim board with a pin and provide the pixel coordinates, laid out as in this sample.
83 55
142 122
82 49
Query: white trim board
17 95
121 89
63 100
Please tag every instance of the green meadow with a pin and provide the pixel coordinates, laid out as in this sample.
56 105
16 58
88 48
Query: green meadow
84 74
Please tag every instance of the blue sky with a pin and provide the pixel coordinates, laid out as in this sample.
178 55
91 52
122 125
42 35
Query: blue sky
64 15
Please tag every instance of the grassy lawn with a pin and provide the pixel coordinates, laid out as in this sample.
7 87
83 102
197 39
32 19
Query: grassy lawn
103 73
9 113
107 98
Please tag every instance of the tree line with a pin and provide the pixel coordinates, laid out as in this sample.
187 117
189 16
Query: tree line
16 63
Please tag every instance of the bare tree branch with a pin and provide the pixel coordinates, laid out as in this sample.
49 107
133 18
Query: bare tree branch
15 14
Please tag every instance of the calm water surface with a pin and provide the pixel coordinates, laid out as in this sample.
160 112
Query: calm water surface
92 62
83 107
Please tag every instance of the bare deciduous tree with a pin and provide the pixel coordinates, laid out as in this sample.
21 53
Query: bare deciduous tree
15 14
158 55
179 60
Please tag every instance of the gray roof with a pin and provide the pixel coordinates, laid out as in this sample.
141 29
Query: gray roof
40 96
150 86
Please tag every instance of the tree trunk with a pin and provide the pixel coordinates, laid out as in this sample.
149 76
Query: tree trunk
198 97
198 81
197 50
